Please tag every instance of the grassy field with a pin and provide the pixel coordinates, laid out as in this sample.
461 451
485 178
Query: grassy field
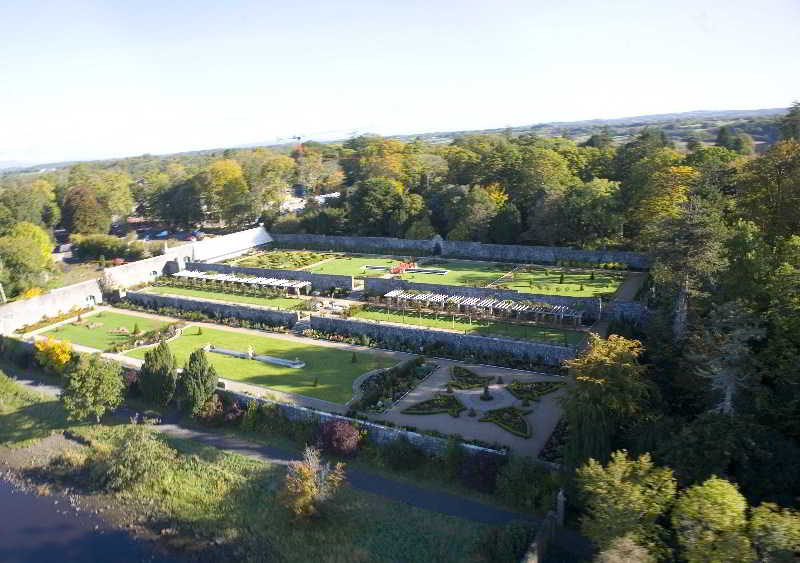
333 368
487 328
280 259
275 302
353 266
102 337
461 273
207 493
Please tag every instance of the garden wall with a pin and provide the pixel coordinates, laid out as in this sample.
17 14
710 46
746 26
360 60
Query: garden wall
319 282
376 433
28 311
272 317
461 249
591 306
414 339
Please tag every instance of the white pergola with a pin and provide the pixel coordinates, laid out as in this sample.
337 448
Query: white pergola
295 286
463 303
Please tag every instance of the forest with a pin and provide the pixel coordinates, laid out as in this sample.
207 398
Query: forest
683 433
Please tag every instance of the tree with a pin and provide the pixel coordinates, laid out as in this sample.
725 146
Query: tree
383 207
421 229
710 523
743 144
53 355
180 205
197 382
94 386
625 498
726 138
158 377
310 483
506 226
624 550
37 237
775 533
25 256
607 386
790 123
83 214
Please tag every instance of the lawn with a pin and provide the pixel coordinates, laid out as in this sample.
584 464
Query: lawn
353 266
487 328
461 273
333 369
26 416
275 302
280 259
102 337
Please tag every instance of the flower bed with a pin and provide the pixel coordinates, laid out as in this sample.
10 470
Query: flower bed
198 316
553 450
463 379
47 321
533 390
511 419
147 338
382 390
441 403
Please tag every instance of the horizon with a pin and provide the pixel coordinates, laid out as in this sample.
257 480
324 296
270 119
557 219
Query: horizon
113 81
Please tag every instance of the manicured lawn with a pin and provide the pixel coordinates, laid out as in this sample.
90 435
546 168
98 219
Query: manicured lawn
353 266
487 328
102 337
281 259
333 368
461 273
26 416
276 302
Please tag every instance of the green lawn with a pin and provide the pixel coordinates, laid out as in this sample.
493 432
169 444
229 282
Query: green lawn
487 328
275 302
26 416
353 266
280 259
461 273
333 368
102 337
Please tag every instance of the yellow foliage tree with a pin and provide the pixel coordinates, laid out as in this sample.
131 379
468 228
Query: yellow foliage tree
497 194
53 355
32 292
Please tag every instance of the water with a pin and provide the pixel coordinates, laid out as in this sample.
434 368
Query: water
34 529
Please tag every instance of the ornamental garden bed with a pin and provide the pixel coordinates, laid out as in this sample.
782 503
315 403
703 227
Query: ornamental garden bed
532 390
461 378
441 403
510 419
382 390
553 450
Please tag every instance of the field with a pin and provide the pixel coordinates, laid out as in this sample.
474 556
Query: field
333 369
528 279
487 328
275 302
102 337
353 266
280 259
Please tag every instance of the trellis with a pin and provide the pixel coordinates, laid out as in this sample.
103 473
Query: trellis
295 286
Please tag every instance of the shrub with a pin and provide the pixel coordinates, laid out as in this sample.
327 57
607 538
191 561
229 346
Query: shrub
199 331
198 381
310 483
141 457
453 457
506 544
211 413
53 355
158 378
486 396
479 471
354 358
94 386
339 437
402 454
136 330
527 485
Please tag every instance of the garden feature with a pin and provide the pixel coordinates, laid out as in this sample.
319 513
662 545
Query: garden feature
532 390
463 379
441 403
230 295
511 419
281 259
104 330
381 390
356 266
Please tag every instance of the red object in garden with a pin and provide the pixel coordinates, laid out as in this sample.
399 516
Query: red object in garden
118 261
400 268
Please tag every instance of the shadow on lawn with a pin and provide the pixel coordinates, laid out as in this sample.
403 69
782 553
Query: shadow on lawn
32 421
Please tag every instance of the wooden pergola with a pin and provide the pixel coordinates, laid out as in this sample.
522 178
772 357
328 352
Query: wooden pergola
295 286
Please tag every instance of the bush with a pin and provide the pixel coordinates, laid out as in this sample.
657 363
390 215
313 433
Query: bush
453 457
402 454
211 412
94 386
479 471
506 544
198 381
53 355
158 378
527 485
141 457
310 483
339 437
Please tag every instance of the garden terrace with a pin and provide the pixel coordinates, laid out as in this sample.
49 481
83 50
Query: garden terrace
356 266
506 308
296 286
104 330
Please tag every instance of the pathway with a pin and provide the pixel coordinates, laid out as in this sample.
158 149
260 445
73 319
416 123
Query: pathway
393 489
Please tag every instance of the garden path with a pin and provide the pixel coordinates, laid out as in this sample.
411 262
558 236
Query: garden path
394 489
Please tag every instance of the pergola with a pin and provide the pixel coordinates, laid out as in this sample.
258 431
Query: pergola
295 286
496 307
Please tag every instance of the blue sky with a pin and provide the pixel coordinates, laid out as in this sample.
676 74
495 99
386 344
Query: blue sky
112 78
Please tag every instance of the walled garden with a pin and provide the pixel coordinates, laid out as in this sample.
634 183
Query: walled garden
105 329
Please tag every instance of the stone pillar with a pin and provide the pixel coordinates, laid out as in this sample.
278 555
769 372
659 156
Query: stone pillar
560 502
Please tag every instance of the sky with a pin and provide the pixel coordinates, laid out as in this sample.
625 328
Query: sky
112 78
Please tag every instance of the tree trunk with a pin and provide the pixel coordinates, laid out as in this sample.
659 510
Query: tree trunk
681 310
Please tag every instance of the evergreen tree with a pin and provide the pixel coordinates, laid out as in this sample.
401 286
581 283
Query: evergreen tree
790 124
506 226
94 386
158 378
198 381
726 138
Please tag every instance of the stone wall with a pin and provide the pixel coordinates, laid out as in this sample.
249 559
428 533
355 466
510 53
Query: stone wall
319 282
272 317
591 306
633 311
461 249
376 433
28 311
414 338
